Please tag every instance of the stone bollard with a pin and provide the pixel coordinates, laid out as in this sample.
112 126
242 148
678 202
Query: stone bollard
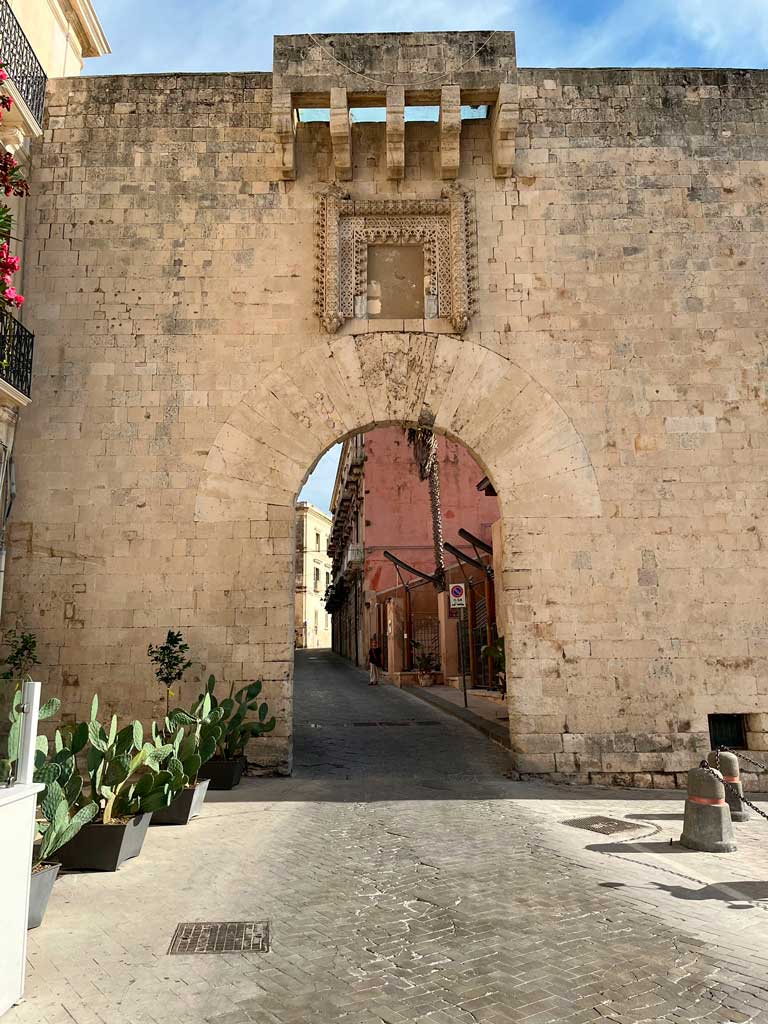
734 794
707 823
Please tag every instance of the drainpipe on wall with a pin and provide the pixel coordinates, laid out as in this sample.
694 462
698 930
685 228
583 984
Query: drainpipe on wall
7 490
2 569
357 623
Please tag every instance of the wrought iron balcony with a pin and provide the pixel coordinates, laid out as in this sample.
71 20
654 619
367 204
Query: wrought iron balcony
16 347
20 61
353 560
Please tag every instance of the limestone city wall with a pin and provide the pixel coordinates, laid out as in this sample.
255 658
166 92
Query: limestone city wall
621 304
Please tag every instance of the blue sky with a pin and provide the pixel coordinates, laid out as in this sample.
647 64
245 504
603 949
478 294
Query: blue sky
236 35
319 487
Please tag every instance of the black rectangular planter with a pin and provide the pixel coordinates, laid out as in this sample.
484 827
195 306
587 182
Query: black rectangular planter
184 807
223 774
40 890
104 847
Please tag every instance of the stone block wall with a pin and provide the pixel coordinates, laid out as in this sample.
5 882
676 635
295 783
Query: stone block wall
620 336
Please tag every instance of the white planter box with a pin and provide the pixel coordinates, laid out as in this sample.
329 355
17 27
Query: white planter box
17 829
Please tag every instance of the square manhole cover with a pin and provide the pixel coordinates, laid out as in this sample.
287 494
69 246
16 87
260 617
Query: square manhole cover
220 937
605 826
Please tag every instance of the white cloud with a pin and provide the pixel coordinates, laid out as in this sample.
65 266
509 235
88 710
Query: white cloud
728 31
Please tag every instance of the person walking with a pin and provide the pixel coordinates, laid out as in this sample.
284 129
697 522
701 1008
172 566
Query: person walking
374 662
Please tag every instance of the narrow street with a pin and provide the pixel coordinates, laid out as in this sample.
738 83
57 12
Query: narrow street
405 879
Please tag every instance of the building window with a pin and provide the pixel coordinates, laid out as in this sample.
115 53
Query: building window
728 731
317 541
315 619
327 580
317 578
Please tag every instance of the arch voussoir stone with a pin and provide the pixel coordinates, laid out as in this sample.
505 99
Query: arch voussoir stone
512 424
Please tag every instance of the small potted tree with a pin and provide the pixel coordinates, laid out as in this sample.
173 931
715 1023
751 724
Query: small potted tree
21 656
225 768
171 662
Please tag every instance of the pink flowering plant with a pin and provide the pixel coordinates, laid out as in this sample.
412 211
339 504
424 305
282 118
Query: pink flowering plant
12 183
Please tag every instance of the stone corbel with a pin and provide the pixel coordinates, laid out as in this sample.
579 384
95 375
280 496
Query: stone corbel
505 118
284 126
450 131
395 131
341 135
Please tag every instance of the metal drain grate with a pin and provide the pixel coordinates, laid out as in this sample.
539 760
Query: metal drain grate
220 937
605 826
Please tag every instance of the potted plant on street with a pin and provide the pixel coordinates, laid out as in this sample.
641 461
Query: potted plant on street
171 662
21 656
225 768
126 795
425 664
59 824
58 821
194 744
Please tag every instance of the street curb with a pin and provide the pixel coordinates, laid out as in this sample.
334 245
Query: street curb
495 730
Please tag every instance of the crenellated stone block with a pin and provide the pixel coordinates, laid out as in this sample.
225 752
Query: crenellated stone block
395 132
284 125
450 131
341 135
505 118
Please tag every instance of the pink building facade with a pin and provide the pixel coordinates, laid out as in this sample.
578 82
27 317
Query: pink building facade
379 504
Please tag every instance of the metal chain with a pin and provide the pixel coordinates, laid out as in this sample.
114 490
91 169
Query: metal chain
744 757
716 773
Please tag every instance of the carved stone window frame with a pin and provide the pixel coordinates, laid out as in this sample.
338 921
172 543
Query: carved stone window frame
345 227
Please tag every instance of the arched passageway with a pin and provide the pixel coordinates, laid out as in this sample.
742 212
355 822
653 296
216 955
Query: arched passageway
339 386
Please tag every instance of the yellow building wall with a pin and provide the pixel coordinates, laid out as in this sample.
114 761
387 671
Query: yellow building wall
313 623
51 35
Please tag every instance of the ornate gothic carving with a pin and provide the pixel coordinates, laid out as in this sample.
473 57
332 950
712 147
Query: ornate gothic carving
345 227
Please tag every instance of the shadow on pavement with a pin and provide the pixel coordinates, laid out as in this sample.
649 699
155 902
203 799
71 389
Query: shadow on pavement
725 892
653 847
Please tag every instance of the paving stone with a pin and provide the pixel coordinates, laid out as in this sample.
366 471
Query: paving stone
405 879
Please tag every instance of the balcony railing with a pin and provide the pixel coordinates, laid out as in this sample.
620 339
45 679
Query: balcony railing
21 63
16 348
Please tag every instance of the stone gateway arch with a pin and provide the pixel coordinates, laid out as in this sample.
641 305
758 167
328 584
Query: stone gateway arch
514 428
223 284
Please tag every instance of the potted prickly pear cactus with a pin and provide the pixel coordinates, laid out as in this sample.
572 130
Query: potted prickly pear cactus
195 734
58 819
126 795
226 767
60 823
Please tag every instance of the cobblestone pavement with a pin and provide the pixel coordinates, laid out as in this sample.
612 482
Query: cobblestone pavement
406 880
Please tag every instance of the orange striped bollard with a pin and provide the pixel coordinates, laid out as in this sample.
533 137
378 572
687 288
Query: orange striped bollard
707 823
734 794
